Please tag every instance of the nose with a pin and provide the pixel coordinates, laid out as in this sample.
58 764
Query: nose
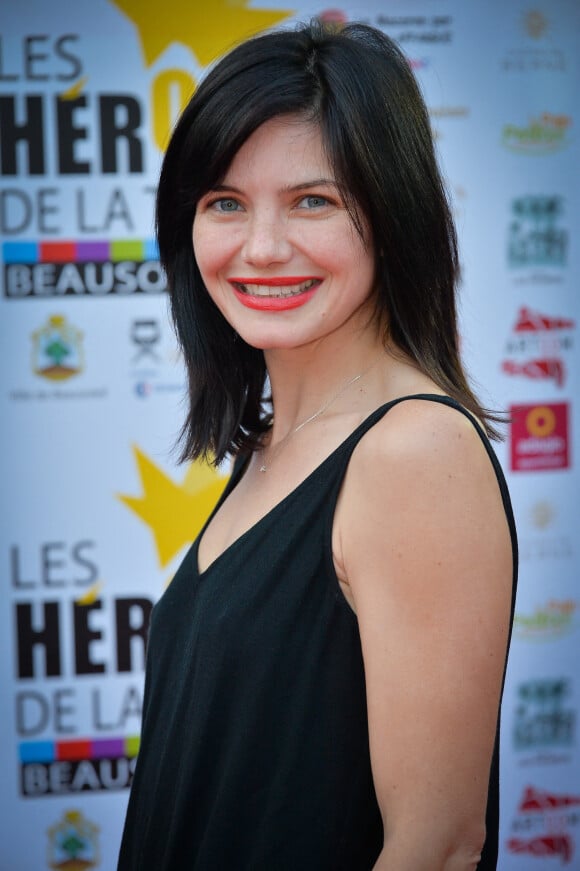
266 240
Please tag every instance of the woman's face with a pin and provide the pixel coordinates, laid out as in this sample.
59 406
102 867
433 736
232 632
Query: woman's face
276 247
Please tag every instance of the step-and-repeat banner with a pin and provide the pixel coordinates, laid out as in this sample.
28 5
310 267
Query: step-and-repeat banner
95 511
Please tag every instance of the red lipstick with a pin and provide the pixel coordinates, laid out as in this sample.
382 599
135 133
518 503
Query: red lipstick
280 281
265 302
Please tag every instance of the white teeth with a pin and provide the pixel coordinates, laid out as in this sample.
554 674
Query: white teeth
277 291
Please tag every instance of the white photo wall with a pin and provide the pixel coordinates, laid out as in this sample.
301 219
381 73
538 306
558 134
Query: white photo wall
96 513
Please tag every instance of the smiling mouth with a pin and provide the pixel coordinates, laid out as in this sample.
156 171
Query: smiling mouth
275 288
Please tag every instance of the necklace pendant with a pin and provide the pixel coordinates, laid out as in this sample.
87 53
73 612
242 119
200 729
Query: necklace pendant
263 469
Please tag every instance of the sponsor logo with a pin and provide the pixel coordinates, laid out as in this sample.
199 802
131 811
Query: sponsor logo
154 369
73 843
143 389
542 543
448 111
535 236
37 270
207 33
425 29
543 134
93 695
544 824
333 16
535 23
542 514
80 765
544 720
548 622
146 389
536 57
537 346
145 335
539 437
57 357
57 350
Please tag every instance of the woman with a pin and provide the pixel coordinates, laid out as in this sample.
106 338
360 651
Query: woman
325 669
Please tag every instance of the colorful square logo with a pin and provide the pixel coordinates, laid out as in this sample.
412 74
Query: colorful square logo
539 437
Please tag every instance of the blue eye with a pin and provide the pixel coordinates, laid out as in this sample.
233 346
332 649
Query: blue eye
226 205
313 201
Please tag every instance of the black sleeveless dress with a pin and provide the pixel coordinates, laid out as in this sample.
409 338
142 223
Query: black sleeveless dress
254 752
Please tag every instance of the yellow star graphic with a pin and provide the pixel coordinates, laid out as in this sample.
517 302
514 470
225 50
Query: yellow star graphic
208 28
91 595
174 512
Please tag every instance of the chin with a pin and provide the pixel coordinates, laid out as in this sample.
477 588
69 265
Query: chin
272 340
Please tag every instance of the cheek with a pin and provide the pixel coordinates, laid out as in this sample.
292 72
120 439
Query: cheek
199 238
206 251
329 249
340 247
213 249
352 261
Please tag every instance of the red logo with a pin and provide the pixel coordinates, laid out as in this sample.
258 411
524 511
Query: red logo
545 810
536 346
550 845
333 16
533 322
539 437
535 800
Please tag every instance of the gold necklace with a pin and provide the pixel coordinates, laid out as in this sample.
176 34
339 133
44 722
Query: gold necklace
276 450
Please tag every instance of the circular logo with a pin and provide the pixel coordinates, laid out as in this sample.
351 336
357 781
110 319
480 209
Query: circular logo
143 389
541 421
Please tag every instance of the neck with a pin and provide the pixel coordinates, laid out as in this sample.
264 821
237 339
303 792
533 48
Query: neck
303 380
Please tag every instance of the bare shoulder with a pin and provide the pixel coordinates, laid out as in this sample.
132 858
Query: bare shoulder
421 437
420 478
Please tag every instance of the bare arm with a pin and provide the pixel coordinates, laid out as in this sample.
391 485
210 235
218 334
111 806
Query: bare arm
422 540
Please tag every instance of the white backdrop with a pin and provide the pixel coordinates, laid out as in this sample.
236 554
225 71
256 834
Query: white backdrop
96 514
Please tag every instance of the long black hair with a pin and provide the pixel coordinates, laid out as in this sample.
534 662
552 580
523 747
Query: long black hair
358 87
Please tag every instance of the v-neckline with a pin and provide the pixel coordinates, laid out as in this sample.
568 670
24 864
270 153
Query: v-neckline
237 475
234 481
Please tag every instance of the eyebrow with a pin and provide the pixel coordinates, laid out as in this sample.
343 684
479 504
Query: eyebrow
305 185
300 186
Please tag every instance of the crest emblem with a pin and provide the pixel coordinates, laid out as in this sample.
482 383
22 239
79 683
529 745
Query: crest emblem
535 23
57 350
73 844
